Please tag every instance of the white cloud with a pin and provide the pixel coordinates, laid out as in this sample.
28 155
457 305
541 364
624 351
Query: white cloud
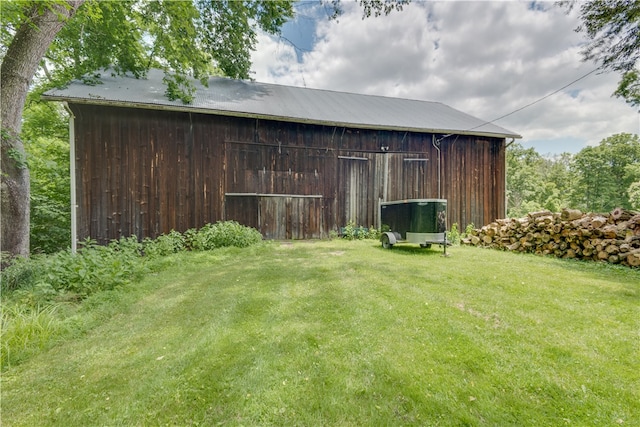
484 58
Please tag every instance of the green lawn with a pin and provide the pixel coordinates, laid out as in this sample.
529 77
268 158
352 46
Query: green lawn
345 333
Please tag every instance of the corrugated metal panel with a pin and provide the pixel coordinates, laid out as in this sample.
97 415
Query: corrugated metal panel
294 104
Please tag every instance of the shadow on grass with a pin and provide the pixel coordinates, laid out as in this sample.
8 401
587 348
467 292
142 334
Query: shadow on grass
628 278
414 249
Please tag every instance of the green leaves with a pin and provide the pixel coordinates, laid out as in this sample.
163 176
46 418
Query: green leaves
184 38
229 30
629 88
597 179
380 7
613 30
221 234
96 268
534 182
101 35
605 172
48 160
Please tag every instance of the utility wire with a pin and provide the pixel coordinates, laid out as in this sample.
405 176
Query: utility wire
537 100
529 104
544 97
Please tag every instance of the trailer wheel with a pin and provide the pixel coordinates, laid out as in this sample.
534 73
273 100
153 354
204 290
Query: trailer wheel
425 245
386 242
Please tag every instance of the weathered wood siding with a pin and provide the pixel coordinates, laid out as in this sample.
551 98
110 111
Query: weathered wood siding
145 172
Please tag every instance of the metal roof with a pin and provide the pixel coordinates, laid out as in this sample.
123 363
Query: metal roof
277 102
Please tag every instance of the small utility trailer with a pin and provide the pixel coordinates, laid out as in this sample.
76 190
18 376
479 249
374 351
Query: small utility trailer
422 221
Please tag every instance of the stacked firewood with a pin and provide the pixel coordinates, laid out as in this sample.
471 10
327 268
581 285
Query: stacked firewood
613 237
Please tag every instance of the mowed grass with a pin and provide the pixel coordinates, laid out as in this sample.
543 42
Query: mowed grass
339 333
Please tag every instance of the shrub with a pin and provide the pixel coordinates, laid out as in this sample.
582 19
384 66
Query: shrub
221 234
93 268
38 287
354 232
18 272
453 235
164 245
97 268
374 233
468 229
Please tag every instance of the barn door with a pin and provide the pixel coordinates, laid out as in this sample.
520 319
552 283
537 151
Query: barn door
290 217
275 189
360 188
277 216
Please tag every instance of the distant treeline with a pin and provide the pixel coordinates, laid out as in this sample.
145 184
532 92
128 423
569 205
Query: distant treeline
597 179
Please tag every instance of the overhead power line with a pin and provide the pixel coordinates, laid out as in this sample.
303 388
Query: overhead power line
527 105
544 97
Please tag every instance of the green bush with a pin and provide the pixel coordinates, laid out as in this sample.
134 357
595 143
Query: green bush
45 133
353 232
95 268
18 272
164 245
221 234
453 235
468 229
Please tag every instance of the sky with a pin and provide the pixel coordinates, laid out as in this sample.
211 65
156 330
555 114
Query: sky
486 58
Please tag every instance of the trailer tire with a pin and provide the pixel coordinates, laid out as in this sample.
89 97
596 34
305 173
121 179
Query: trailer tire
387 239
425 245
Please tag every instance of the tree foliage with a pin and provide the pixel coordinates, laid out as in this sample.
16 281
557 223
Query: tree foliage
45 133
184 38
613 30
597 179
605 172
195 38
535 182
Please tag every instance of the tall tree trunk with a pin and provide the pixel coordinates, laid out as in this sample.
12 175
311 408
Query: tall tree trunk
26 50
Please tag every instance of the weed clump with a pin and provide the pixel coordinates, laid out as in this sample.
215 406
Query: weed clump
353 232
221 234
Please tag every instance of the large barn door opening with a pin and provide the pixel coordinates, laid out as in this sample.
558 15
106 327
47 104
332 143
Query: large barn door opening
274 189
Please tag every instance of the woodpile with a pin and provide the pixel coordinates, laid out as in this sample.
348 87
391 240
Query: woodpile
613 237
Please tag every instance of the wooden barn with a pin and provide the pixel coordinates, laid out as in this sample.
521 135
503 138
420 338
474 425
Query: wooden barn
295 163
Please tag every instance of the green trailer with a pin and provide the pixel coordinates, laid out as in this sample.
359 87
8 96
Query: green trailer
421 221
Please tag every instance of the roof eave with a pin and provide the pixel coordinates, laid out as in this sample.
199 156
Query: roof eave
189 109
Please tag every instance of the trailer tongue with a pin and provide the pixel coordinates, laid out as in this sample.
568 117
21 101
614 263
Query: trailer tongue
422 221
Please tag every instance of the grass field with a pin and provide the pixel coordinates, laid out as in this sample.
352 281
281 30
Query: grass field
347 334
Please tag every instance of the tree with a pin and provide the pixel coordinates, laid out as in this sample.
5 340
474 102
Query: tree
34 26
632 172
557 171
613 30
45 133
71 39
605 173
524 180
535 182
